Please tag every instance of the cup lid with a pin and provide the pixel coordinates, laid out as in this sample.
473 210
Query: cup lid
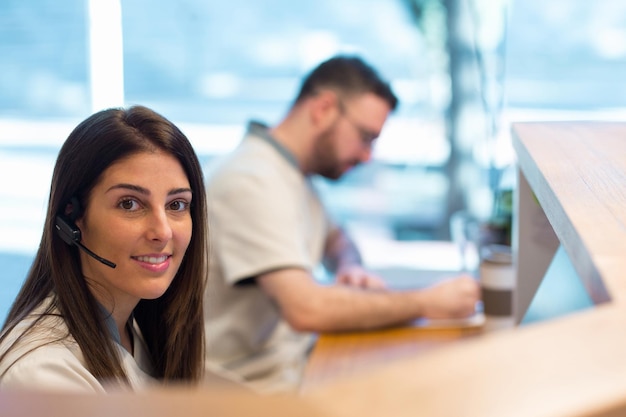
500 254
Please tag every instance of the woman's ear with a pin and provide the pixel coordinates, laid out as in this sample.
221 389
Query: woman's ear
73 209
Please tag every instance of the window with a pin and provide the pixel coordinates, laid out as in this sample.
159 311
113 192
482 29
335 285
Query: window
211 66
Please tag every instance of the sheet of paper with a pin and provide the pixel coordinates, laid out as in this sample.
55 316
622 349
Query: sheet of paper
400 278
476 320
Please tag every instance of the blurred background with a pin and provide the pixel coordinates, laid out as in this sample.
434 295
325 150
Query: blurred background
464 70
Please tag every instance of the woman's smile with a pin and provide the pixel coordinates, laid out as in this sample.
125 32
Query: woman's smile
155 263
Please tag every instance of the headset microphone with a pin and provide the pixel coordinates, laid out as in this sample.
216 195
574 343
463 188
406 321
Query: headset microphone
70 233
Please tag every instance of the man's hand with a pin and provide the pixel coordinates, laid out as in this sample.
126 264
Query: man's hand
356 276
451 298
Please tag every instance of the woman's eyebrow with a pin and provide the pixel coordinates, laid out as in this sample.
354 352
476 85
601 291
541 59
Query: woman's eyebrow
131 187
180 190
145 191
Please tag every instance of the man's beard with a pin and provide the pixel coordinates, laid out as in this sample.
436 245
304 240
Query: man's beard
326 161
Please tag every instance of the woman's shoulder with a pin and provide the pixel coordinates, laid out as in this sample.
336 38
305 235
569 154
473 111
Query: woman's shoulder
39 353
42 326
52 366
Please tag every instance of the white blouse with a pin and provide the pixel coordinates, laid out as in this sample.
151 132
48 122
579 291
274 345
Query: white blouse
41 361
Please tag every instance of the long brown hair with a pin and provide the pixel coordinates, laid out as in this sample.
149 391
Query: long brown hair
172 324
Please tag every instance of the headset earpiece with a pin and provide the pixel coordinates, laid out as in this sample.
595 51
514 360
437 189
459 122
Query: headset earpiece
70 233
65 223
67 229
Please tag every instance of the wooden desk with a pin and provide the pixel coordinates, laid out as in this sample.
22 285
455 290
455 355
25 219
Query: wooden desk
573 187
338 356
346 354
170 402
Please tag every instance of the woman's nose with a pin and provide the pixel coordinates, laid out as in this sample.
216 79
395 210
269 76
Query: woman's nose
159 228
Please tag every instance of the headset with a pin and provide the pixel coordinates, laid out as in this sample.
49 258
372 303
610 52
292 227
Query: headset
67 229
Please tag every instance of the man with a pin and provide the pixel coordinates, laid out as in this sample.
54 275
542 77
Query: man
270 231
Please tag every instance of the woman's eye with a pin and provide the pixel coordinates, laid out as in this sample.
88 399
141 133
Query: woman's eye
179 205
129 204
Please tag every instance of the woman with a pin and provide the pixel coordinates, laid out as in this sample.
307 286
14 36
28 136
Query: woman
114 296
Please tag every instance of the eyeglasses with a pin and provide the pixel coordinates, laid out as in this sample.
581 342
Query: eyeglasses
367 136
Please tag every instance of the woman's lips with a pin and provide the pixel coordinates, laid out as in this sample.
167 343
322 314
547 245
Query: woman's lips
155 263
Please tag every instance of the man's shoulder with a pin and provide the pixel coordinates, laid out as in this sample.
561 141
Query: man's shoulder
240 168
253 162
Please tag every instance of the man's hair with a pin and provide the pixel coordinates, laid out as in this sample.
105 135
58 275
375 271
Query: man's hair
348 75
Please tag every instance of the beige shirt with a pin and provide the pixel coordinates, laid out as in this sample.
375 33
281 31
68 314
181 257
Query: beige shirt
264 215
47 359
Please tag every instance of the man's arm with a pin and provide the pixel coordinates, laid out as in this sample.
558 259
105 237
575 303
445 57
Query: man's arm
340 251
310 306
342 257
